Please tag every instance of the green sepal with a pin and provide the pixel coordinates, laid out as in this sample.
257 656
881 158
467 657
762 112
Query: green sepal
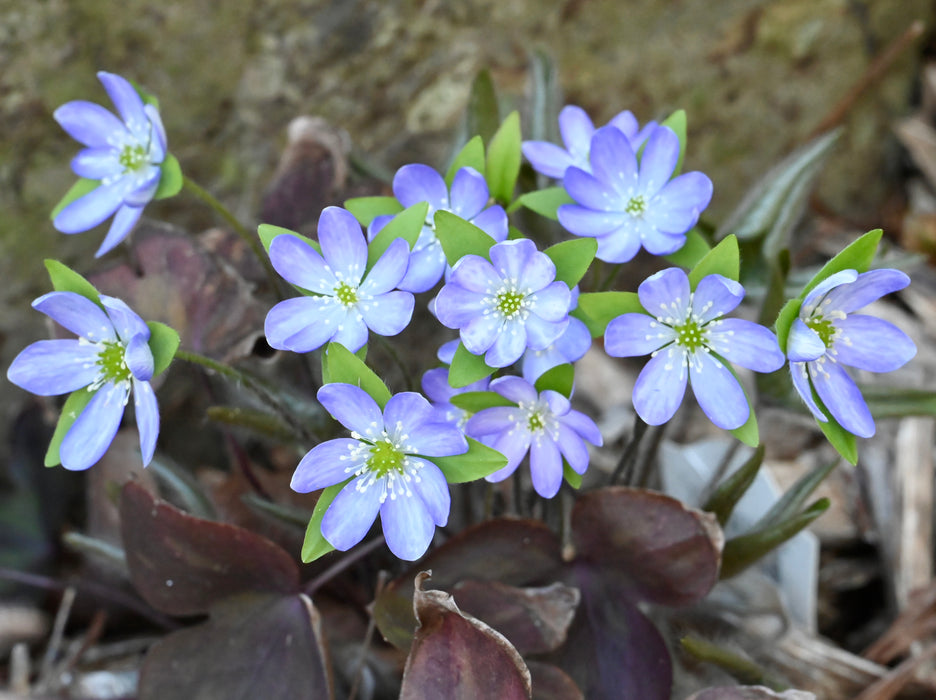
843 441
857 256
460 238
723 259
788 314
64 279
677 122
82 187
366 209
315 545
474 401
406 225
341 366
478 462
723 501
470 156
695 248
503 159
560 379
545 202
570 475
267 232
572 258
170 178
467 368
73 407
597 309
147 97
163 343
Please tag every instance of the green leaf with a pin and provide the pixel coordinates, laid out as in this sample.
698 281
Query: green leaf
73 407
597 309
170 178
503 159
677 122
340 365
773 206
795 497
79 189
474 401
259 422
842 440
857 256
64 279
460 238
406 225
478 462
366 209
572 258
731 490
315 545
898 402
147 98
470 156
163 343
692 252
741 552
268 232
483 111
572 476
467 368
788 314
544 202
560 379
723 259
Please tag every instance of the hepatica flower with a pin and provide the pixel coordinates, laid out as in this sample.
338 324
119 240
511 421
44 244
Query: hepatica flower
569 347
625 204
543 424
388 461
124 153
346 302
576 129
829 335
468 199
436 387
504 306
110 358
689 340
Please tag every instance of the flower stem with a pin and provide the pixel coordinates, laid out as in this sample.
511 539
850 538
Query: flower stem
253 242
350 559
628 460
253 385
609 280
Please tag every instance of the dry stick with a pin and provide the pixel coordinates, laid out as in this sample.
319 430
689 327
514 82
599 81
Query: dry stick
625 465
896 679
351 559
382 578
875 72
55 641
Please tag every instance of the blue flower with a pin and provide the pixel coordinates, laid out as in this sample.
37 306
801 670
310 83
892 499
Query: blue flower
503 308
346 302
436 387
544 424
829 334
388 459
684 330
569 347
626 205
124 154
109 358
468 198
577 130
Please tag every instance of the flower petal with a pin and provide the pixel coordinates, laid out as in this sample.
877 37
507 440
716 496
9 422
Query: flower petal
657 242
801 383
389 269
416 183
407 525
300 264
635 334
547 158
718 392
475 274
627 123
509 258
576 129
868 287
124 319
592 193
824 287
426 267
94 429
842 397
352 513
388 314
538 272
747 344
493 221
541 334
665 295
715 296
429 482
552 302
125 218
620 245
677 206
514 389
803 343
437 439
589 222
139 359
78 314
158 144
480 333
508 346
88 123
343 244
352 332
303 324
53 367
613 161
88 211
328 463
456 307
658 160
126 99
469 193
96 163
574 341
405 412
354 408
573 449
872 344
491 421
545 467
584 426
660 386
513 444
147 418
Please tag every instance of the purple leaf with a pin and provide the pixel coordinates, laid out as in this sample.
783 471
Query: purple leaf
552 683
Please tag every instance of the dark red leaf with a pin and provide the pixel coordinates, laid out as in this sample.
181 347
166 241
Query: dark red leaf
552 683
183 565
253 646
457 657
652 544
535 620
